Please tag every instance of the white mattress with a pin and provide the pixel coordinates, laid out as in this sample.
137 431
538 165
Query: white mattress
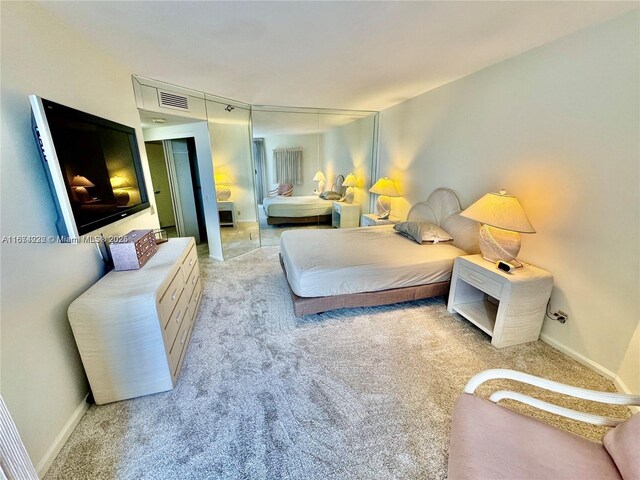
322 263
307 206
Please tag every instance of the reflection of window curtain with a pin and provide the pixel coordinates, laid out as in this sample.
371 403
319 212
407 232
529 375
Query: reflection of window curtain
288 163
260 157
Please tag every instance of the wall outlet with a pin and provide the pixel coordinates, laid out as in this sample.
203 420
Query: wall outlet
238 212
560 316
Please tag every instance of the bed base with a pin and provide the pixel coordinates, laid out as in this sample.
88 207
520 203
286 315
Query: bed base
315 219
308 305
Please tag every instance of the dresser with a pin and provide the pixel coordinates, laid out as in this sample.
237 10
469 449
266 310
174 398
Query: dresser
133 327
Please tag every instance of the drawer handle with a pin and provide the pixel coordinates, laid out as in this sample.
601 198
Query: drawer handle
184 336
173 297
477 279
197 296
194 280
178 317
191 262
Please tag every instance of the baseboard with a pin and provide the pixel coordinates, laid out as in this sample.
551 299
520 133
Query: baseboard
578 357
51 454
596 367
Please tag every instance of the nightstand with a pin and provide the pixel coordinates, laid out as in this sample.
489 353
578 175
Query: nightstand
227 212
371 219
510 307
345 215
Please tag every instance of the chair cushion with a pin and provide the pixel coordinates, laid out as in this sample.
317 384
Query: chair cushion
492 442
623 444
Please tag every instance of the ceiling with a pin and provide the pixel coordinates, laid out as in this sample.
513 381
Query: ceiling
354 55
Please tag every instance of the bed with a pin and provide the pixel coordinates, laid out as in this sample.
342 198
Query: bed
304 209
356 267
310 209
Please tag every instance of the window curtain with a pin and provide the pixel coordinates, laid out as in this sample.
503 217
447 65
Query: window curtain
260 158
288 163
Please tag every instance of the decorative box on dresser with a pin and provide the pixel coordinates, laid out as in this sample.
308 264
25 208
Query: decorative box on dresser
133 327
508 306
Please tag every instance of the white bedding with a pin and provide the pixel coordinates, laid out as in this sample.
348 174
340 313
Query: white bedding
322 263
306 206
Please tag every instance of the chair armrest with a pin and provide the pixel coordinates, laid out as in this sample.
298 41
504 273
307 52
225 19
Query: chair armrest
612 398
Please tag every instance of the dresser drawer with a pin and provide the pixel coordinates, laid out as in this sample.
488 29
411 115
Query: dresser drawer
169 298
480 281
175 321
195 296
189 262
181 341
192 280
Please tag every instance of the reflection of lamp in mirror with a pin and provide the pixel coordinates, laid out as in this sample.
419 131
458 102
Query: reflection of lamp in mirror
385 188
349 182
79 186
321 179
504 219
119 185
223 192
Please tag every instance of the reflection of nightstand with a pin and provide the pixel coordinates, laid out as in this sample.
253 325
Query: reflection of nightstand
227 212
345 215
370 219
510 307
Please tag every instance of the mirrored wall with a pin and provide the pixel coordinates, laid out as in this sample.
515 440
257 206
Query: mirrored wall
235 176
305 159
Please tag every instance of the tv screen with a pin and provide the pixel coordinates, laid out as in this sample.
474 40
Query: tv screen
93 166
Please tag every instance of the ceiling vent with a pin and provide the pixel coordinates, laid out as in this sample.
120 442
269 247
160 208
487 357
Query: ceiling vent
171 100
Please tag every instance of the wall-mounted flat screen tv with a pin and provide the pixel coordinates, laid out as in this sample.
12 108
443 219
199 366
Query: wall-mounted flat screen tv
92 164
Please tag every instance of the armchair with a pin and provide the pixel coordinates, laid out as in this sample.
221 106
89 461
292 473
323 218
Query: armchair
282 190
489 441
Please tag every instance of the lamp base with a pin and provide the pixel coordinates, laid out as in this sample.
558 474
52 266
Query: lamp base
383 206
223 193
321 186
498 244
348 195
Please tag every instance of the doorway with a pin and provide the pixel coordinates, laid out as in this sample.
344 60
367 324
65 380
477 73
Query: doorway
177 187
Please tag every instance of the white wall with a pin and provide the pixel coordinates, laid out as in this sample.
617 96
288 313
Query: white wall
43 382
558 127
349 149
309 144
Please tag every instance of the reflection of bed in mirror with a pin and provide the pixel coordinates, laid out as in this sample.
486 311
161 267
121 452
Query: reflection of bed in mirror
356 267
308 209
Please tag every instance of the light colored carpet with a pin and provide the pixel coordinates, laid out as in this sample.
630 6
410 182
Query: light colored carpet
352 394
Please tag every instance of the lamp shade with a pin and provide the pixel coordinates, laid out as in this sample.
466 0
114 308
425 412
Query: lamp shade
119 182
319 177
386 187
501 211
350 181
222 179
80 181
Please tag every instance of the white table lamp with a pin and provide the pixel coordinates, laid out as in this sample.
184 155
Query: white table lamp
223 192
349 182
321 179
385 188
503 220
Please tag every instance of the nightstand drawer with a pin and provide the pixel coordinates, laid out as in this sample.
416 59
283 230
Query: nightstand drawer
480 281
337 207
